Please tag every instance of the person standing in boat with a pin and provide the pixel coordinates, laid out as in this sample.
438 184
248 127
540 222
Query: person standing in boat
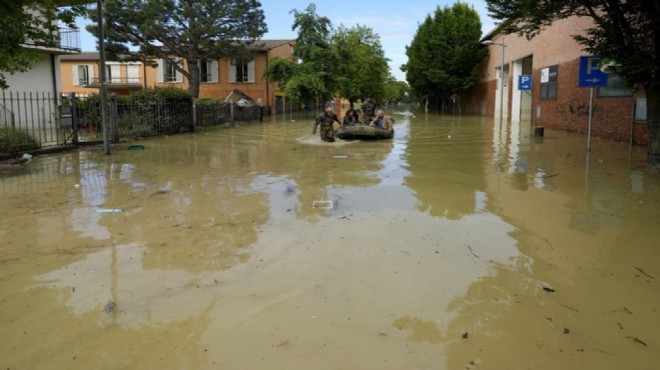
382 121
325 120
351 118
368 107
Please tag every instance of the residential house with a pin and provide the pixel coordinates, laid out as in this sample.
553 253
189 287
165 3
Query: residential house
218 77
81 75
30 102
555 100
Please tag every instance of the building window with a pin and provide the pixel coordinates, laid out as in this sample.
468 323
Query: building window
549 82
170 73
167 71
640 108
208 70
616 87
83 75
241 70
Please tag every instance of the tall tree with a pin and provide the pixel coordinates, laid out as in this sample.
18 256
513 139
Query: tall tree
29 22
193 30
445 52
362 68
348 61
624 30
311 74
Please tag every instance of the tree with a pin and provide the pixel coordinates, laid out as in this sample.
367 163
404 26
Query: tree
191 30
311 74
445 52
626 31
29 21
348 61
362 68
396 91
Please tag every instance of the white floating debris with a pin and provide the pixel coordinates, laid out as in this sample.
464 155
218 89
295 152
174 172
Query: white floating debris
324 204
109 210
340 156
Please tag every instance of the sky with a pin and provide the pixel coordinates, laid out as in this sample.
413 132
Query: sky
395 21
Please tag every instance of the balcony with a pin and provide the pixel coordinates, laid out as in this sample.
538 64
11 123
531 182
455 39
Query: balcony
64 41
132 83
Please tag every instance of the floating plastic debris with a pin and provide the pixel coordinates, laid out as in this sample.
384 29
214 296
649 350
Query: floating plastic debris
340 156
109 210
324 204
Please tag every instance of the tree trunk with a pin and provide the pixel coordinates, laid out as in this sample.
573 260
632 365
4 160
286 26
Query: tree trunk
193 79
653 124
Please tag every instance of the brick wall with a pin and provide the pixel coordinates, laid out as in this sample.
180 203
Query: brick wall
612 116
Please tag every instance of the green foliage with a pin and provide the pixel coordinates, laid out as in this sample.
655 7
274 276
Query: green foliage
13 140
145 112
208 101
192 30
280 70
362 66
348 61
626 31
445 52
29 21
396 91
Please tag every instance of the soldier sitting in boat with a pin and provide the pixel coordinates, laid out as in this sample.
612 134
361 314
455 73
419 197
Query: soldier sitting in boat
326 120
351 118
382 121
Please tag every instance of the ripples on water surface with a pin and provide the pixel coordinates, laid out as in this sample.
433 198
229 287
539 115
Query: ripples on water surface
434 254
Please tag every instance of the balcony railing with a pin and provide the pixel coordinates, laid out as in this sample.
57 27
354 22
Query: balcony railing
64 39
118 82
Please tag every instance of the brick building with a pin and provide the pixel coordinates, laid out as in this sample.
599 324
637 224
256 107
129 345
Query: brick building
555 100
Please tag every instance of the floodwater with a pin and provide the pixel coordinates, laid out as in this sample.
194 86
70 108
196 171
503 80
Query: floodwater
458 244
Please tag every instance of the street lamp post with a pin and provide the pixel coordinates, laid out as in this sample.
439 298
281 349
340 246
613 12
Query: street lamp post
503 45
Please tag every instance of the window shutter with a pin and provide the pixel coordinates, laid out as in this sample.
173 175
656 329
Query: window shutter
90 73
115 74
76 78
232 71
161 70
251 71
132 74
213 70
179 76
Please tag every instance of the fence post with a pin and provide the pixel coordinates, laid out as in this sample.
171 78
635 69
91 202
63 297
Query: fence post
194 116
74 118
114 118
231 113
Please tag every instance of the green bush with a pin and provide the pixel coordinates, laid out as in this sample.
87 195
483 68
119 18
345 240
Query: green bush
208 101
13 140
145 112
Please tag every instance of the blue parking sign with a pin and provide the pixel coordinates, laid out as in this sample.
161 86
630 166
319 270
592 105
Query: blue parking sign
525 82
590 73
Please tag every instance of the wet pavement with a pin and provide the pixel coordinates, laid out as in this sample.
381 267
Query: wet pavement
458 244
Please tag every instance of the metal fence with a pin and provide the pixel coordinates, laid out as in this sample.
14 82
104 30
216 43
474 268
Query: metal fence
34 120
28 120
210 115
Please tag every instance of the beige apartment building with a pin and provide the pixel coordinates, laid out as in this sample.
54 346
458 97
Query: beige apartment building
80 73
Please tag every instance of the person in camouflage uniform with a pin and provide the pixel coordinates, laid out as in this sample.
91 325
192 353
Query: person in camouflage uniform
369 109
326 120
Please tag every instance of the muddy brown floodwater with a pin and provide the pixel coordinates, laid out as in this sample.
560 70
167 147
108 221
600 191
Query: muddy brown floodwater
458 244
